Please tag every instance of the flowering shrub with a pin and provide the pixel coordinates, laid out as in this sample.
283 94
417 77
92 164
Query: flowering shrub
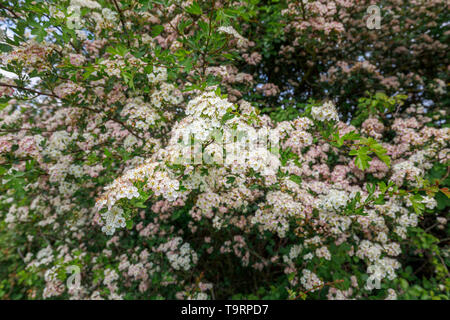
187 150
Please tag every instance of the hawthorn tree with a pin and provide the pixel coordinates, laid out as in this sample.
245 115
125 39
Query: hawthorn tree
224 149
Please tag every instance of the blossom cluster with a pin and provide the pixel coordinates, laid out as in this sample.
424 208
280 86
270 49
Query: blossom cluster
170 154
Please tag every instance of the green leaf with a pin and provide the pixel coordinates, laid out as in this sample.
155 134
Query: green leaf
227 116
416 201
380 152
176 214
296 179
194 8
371 188
156 30
385 158
5 48
204 26
380 199
353 135
108 153
140 204
130 224
382 186
362 159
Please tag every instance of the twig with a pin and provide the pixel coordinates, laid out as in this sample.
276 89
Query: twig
122 20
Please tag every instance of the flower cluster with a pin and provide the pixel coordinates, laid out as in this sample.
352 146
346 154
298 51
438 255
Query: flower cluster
326 112
113 219
179 254
141 115
164 157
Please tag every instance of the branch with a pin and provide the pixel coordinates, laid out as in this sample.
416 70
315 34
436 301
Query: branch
15 15
28 89
122 20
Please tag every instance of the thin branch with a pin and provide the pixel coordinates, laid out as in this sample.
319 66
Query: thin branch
15 15
122 20
28 89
